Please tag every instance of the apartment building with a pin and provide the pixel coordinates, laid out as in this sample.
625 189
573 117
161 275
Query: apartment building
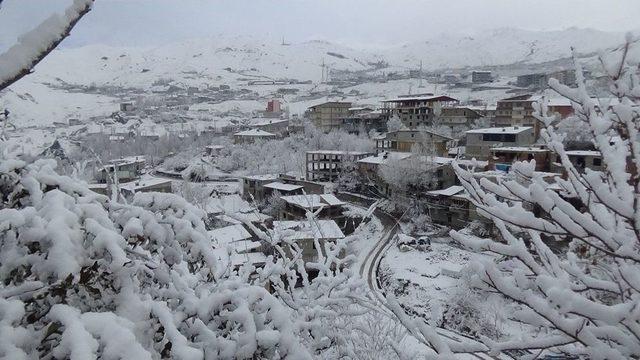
328 116
480 141
416 110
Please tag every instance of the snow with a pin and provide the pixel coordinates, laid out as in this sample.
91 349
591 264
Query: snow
305 230
227 204
583 153
254 132
385 157
229 234
337 152
450 191
312 201
519 149
143 183
501 130
283 187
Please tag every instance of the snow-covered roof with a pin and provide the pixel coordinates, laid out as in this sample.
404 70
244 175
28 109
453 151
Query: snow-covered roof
144 183
255 132
338 152
312 201
264 122
265 177
229 234
501 130
253 258
305 230
583 153
421 98
252 217
227 204
385 157
519 149
450 191
282 186
463 162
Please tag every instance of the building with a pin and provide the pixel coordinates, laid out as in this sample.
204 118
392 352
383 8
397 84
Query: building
326 165
480 141
541 80
296 206
328 116
305 234
457 116
146 184
503 157
126 169
581 160
364 119
251 136
404 140
518 111
281 188
481 77
273 110
253 186
274 126
260 187
451 207
126 106
416 110
213 150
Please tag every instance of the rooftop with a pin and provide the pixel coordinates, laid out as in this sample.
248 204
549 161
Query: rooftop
519 149
337 152
144 183
501 130
282 186
428 98
255 132
450 191
313 201
583 153
265 177
385 157
305 230
229 234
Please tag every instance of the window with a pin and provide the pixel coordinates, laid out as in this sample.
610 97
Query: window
597 161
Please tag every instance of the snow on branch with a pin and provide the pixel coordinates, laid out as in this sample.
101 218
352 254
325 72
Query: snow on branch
36 44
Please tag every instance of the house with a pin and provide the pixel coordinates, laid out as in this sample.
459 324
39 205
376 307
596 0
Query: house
541 80
326 165
456 116
502 157
363 119
451 207
275 126
213 150
481 77
305 234
581 160
296 206
253 186
404 139
251 136
126 169
328 116
145 184
416 110
480 141
518 110
283 189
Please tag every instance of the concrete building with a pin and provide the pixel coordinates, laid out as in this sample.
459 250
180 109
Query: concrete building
503 157
415 110
364 119
481 77
582 159
404 140
328 116
457 116
145 184
127 169
327 206
260 187
518 111
480 141
253 186
251 136
326 165
541 80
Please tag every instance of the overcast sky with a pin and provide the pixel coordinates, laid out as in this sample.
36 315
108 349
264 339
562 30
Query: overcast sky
351 22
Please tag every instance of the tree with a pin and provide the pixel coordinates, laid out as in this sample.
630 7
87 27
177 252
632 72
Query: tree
583 302
394 123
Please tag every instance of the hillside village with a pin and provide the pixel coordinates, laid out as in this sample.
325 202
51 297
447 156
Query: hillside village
334 186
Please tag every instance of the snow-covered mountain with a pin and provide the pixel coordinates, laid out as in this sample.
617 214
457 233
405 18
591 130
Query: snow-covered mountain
53 92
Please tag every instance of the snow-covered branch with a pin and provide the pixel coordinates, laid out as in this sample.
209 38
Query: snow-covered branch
19 60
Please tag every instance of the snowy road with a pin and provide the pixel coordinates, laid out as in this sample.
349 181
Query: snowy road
369 271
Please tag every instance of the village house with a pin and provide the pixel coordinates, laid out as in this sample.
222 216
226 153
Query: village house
251 136
282 189
126 169
328 116
451 207
404 140
296 206
541 80
253 186
326 165
416 110
305 233
503 157
481 77
146 184
480 141
456 116
518 111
